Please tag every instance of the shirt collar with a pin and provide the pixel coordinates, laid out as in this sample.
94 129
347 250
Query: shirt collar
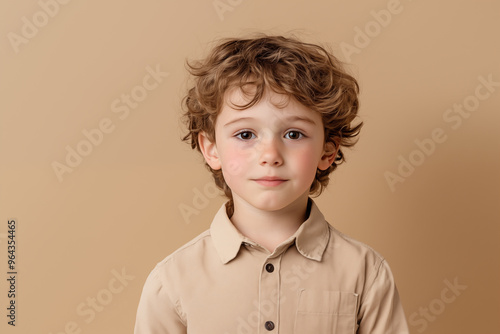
311 238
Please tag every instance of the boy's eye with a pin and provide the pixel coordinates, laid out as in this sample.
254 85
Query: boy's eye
293 135
245 135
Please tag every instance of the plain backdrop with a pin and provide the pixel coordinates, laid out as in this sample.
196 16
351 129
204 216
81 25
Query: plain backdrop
93 169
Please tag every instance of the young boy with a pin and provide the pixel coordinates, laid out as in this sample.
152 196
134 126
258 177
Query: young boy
270 116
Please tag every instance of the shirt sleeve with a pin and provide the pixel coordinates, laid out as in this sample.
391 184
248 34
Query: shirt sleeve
380 310
157 314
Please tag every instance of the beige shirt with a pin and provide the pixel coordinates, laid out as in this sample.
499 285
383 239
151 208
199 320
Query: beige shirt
317 281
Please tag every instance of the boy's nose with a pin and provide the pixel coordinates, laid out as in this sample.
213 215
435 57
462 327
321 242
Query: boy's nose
270 153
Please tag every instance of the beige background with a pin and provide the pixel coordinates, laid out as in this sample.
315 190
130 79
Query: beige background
119 209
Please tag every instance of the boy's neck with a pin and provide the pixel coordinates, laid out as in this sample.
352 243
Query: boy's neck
269 228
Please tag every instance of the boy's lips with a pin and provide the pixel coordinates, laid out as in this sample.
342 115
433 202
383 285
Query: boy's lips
270 181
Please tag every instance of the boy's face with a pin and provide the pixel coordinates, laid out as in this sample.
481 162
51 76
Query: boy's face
268 154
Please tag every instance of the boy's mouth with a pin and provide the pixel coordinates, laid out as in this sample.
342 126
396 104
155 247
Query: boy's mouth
270 181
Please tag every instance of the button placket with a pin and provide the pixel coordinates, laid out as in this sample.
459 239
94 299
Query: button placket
269 295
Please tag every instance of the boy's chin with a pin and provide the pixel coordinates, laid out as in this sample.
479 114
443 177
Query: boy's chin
274 203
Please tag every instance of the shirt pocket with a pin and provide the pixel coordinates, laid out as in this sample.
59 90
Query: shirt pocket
322 312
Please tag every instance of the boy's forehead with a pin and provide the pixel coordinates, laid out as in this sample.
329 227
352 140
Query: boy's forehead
282 106
236 97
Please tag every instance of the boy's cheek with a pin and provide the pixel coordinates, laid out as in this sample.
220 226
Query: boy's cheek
235 162
306 161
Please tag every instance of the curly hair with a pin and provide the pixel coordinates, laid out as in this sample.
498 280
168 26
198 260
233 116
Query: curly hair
286 65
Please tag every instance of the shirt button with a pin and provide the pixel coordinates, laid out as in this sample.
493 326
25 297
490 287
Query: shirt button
269 325
269 267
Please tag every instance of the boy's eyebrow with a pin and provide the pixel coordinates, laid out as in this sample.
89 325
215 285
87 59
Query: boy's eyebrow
290 119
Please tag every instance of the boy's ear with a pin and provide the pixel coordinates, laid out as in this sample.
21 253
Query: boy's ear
209 151
329 154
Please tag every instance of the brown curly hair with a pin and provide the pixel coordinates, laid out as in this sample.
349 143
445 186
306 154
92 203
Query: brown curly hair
286 65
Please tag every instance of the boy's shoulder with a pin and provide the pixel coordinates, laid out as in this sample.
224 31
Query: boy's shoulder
196 245
350 248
